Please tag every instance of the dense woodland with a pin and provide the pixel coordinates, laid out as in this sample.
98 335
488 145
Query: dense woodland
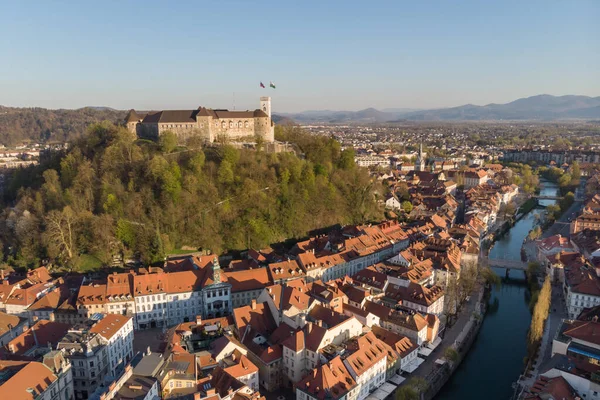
22 125
111 193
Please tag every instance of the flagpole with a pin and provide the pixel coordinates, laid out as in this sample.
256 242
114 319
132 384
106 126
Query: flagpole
233 101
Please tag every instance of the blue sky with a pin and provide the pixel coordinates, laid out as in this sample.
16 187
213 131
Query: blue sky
321 54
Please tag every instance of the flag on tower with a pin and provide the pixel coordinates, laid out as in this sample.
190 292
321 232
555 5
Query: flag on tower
272 85
262 85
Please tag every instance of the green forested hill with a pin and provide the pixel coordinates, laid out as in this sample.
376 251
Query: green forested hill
19 125
111 193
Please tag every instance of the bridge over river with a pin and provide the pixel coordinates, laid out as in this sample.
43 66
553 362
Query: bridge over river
505 263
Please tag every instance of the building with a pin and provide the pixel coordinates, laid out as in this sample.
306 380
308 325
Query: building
11 326
581 285
117 331
209 124
247 285
31 380
329 381
367 364
88 353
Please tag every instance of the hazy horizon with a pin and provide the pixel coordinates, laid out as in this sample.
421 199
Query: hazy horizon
150 55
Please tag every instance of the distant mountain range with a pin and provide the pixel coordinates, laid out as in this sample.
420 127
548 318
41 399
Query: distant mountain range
542 107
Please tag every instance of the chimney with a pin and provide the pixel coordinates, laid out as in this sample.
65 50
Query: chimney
197 396
198 319
52 317
253 304
309 327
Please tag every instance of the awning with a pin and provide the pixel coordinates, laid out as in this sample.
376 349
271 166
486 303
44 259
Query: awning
397 379
384 391
435 343
424 351
413 365
440 361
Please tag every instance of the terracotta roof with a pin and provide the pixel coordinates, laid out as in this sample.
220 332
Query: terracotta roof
147 284
588 331
259 318
252 279
38 275
92 294
329 381
40 334
289 269
370 277
401 344
109 325
243 368
551 388
24 375
26 296
415 293
119 285
329 317
8 322
51 300
368 350
295 342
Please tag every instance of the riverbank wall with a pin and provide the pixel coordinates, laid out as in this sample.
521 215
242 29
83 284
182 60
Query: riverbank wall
439 377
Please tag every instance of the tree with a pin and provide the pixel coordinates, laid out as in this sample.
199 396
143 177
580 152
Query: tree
407 392
60 234
451 354
489 277
168 141
347 159
535 233
226 172
575 173
407 206
540 314
468 279
451 298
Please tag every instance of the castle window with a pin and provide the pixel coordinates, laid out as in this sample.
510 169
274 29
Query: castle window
230 124
224 125
246 124
216 124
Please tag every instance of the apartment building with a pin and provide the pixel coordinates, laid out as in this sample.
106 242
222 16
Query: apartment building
50 379
117 331
88 353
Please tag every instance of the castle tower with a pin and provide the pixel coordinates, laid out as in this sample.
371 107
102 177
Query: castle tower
265 105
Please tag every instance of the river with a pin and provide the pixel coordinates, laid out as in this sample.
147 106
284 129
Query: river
495 360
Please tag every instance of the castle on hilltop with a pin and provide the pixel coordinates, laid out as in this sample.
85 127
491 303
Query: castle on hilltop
207 123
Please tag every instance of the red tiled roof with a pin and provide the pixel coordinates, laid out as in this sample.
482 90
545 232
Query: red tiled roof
40 334
329 381
109 325
25 375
